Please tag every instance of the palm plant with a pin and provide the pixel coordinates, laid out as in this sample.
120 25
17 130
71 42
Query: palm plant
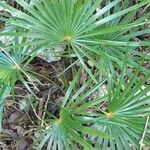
100 35
123 119
125 116
13 68
13 64
69 130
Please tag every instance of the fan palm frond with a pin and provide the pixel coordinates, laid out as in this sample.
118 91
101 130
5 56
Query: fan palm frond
13 63
68 130
124 119
90 31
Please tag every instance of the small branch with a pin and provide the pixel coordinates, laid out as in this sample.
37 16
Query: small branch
40 109
46 103
36 113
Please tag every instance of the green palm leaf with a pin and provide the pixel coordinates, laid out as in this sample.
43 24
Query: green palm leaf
64 132
128 107
14 60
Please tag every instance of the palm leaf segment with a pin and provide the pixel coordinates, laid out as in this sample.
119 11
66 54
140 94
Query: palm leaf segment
145 137
79 24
